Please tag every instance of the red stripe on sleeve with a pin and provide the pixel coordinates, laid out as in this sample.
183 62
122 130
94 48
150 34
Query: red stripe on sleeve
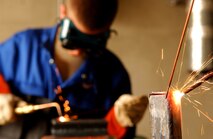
114 128
4 87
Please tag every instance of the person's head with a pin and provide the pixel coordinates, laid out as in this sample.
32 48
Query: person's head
90 16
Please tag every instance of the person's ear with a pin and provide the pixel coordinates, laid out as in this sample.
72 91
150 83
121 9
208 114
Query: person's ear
63 11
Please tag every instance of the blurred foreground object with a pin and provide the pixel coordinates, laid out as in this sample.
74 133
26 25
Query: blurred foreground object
79 127
130 109
8 102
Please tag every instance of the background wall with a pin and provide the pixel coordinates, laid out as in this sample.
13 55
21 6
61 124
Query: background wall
146 30
16 15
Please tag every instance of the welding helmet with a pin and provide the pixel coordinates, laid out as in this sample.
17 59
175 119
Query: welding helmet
72 38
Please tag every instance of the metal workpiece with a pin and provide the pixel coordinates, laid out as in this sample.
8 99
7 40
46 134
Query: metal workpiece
165 118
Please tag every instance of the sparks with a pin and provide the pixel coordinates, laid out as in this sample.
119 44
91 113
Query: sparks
202 130
200 112
159 69
198 102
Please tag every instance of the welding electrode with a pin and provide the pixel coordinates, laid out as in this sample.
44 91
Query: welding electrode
198 82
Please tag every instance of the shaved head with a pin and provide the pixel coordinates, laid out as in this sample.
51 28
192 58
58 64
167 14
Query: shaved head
92 14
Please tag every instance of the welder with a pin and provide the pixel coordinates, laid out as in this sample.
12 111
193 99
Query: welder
70 59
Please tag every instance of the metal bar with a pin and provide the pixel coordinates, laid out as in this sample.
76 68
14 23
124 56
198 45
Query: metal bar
165 117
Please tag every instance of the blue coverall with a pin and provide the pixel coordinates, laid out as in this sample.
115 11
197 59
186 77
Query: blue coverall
27 64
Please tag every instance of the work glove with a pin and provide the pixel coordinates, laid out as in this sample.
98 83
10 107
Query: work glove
8 102
130 109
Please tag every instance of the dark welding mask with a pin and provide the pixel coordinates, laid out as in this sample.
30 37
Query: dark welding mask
72 38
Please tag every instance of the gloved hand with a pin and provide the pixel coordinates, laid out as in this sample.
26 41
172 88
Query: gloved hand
130 109
8 102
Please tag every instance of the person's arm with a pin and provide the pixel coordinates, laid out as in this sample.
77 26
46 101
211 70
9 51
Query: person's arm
113 127
127 111
4 87
8 102
6 113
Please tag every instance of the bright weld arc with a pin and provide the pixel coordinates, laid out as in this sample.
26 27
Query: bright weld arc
177 96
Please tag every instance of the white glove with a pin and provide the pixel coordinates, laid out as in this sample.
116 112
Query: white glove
130 109
8 102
